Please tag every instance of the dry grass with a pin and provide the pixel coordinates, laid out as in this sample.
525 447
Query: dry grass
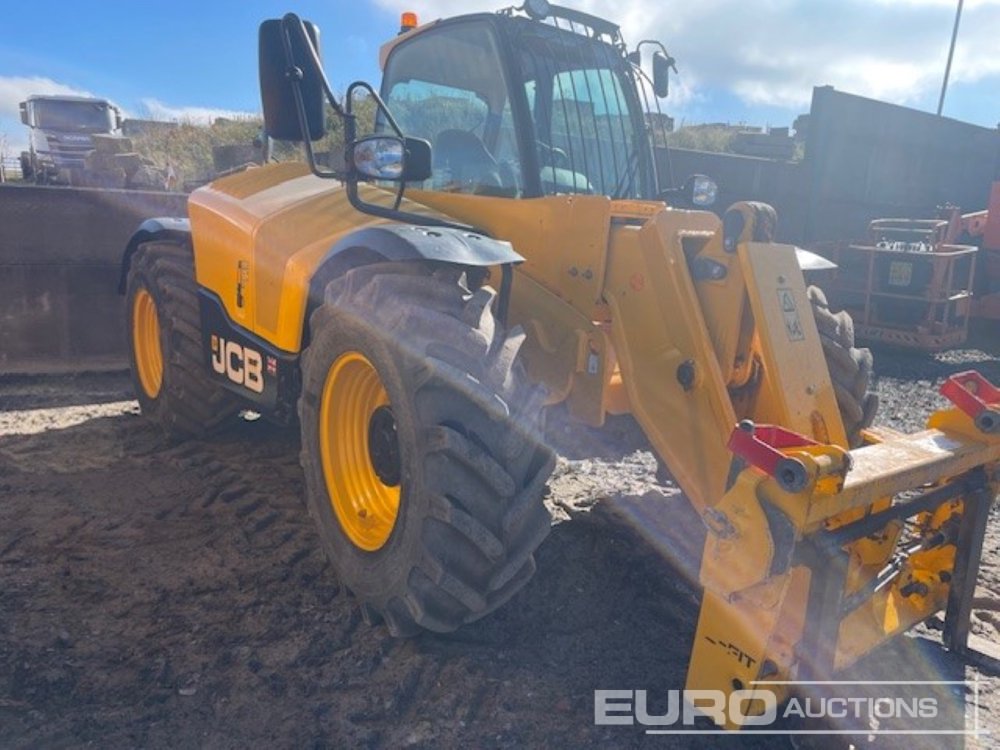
717 138
188 147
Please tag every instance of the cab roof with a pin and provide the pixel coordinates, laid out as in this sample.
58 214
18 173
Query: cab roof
67 98
574 18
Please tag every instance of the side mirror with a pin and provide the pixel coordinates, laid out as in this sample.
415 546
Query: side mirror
281 113
380 157
661 74
24 114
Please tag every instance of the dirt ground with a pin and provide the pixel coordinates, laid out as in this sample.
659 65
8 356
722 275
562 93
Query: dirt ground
162 596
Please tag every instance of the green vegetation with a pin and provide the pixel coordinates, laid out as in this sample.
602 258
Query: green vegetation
718 138
188 147
731 139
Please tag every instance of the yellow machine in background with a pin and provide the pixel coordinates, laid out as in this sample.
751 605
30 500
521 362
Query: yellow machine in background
512 151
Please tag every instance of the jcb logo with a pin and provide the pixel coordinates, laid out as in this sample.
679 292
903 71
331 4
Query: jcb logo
238 363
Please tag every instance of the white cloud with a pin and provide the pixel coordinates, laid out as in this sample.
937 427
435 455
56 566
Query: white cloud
15 89
772 52
157 110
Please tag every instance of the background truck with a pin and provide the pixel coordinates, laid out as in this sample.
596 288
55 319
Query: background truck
61 135
504 242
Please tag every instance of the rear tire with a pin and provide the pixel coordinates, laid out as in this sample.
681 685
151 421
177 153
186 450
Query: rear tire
850 367
468 470
27 173
164 324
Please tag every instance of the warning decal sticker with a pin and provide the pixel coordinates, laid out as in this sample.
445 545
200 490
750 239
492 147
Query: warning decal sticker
900 273
793 326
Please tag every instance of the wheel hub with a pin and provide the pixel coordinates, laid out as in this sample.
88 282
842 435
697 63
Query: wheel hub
360 451
146 343
383 446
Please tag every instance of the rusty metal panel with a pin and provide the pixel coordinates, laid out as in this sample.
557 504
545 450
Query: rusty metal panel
864 159
868 159
60 250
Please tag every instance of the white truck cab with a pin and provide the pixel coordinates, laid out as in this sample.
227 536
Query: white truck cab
61 130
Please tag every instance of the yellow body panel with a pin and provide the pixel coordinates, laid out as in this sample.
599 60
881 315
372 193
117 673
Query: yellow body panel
799 396
267 229
558 295
657 327
542 230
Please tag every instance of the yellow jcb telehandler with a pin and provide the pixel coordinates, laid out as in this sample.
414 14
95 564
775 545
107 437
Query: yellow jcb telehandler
503 241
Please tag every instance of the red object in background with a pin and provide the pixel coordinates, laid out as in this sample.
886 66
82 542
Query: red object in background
991 232
984 228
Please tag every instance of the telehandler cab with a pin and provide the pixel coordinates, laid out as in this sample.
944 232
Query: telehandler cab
515 148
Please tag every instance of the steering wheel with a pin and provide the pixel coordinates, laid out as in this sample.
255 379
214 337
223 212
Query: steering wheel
554 157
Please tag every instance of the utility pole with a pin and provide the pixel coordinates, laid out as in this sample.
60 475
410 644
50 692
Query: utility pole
951 54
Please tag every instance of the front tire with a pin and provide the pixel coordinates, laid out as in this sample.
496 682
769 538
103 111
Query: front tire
850 367
420 446
27 173
168 364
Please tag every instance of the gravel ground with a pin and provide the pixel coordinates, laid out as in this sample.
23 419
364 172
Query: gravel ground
176 596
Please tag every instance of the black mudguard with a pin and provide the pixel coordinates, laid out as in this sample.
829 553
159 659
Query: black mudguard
173 228
406 242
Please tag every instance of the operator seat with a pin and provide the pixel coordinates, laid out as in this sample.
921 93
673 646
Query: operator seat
472 167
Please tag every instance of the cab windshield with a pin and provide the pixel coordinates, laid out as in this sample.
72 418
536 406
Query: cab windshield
72 116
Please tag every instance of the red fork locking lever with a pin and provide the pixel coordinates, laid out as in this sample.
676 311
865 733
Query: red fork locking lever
974 395
760 446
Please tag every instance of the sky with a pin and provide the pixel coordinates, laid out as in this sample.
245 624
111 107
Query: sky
738 61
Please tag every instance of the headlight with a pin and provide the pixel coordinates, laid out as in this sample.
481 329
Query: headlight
703 191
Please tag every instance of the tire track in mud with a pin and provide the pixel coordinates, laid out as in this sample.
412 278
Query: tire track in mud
231 500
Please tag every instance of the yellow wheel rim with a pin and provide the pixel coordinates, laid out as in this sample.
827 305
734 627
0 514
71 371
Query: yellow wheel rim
146 343
357 442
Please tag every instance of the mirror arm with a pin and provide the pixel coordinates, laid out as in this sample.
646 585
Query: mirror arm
295 75
395 214
350 135
292 21
381 105
663 49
